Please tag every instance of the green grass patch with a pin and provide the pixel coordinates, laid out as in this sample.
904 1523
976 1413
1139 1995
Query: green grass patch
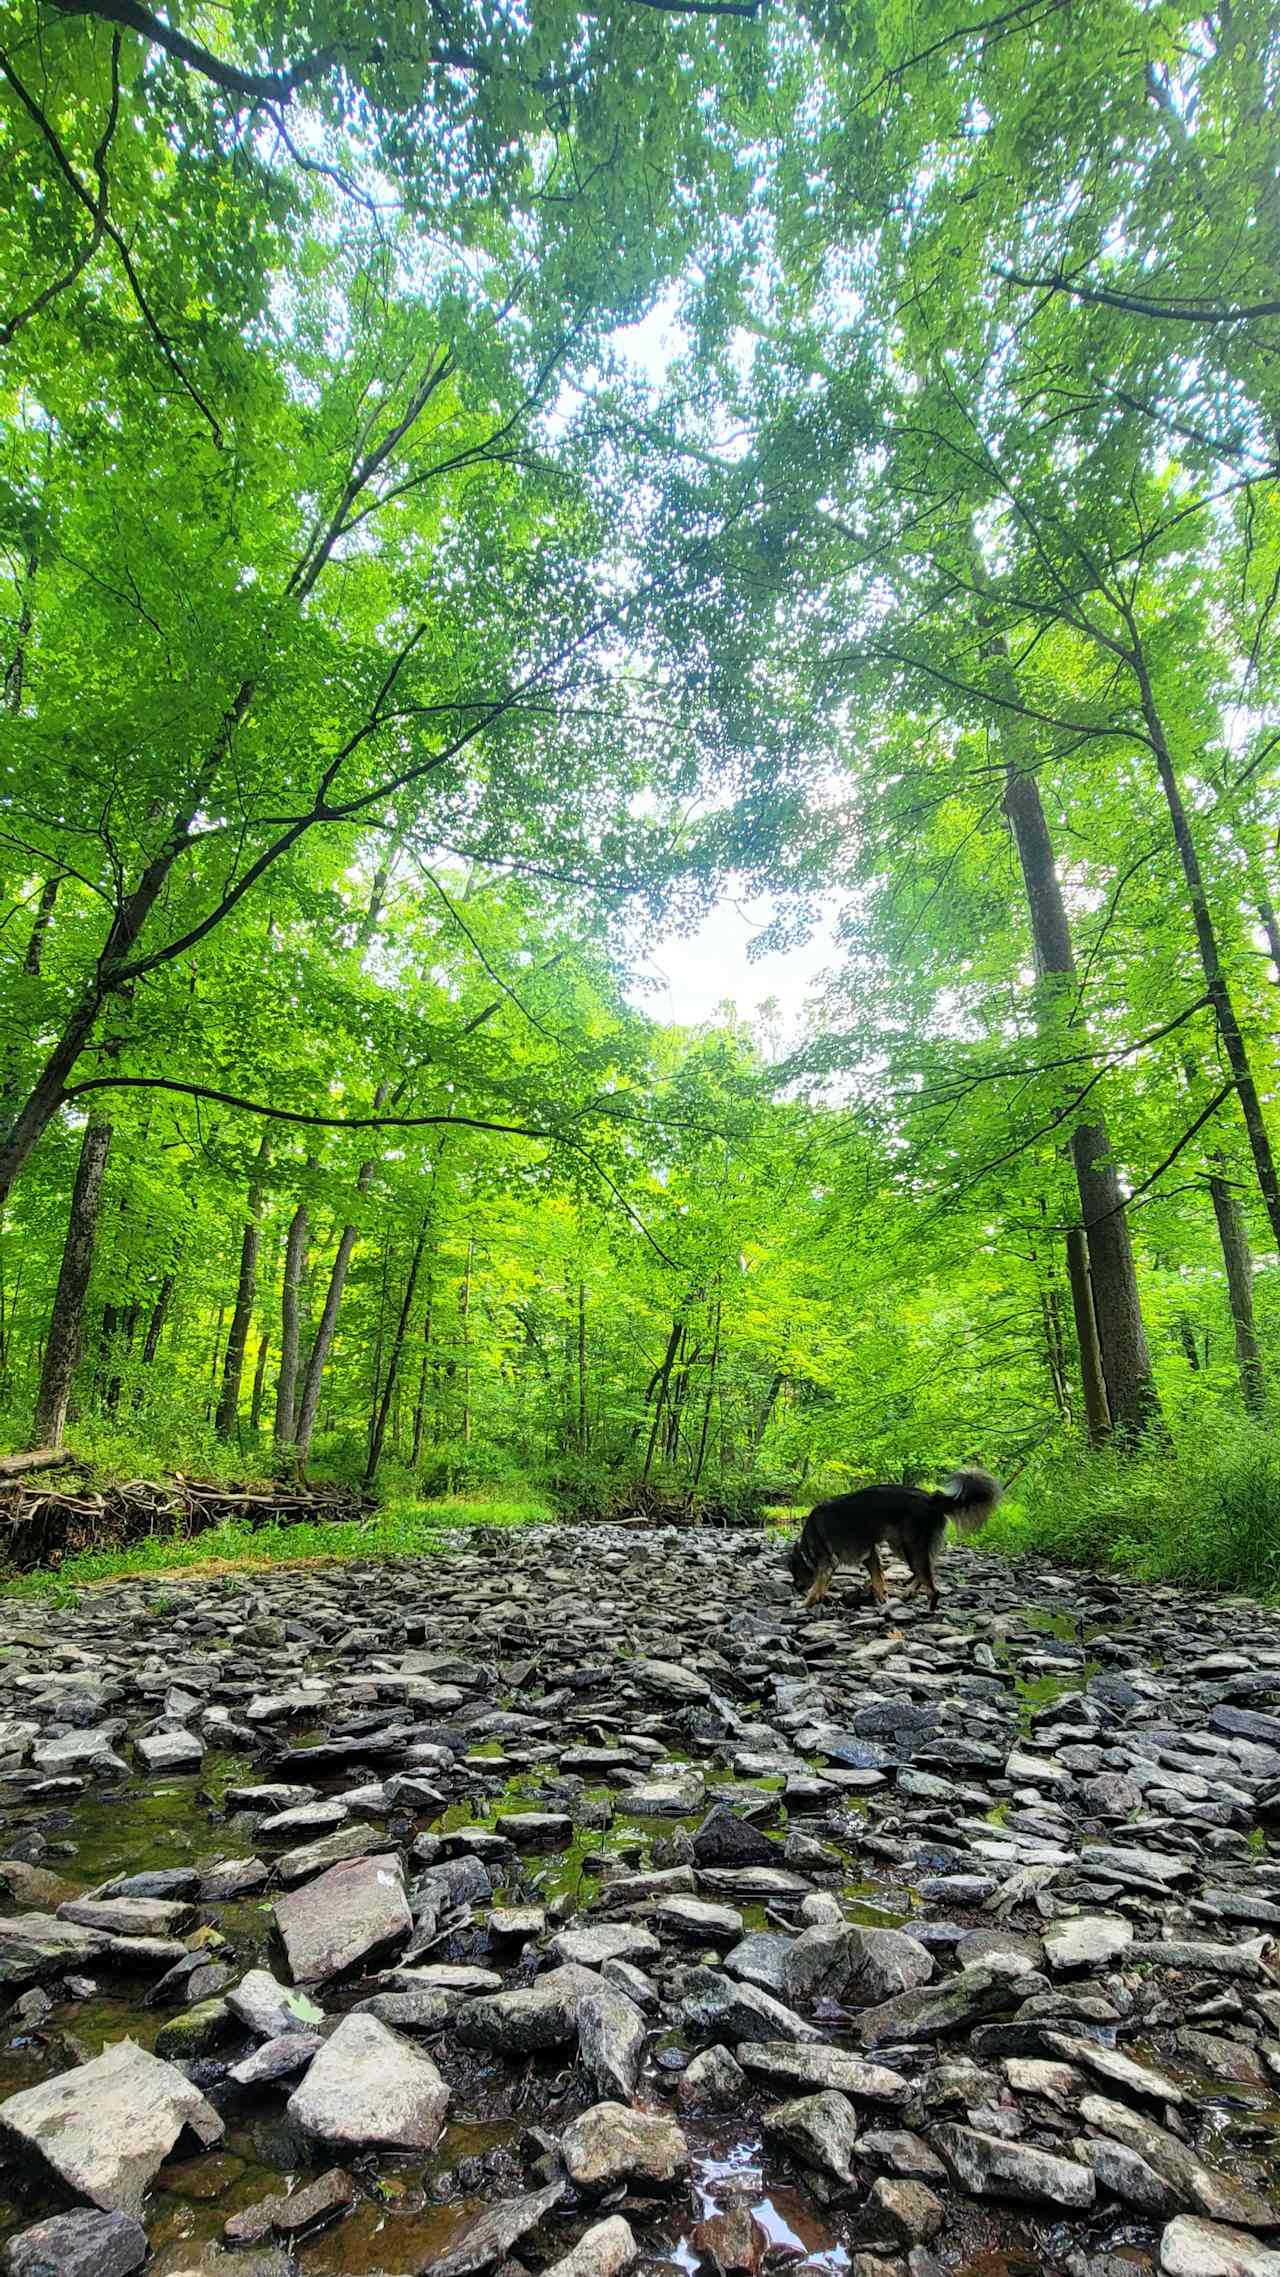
1204 1511
403 1529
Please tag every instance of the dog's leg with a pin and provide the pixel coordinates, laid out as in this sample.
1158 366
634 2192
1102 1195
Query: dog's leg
875 1575
821 1584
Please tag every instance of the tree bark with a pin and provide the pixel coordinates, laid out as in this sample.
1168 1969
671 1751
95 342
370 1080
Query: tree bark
259 1382
313 1378
393 1357
1117 1308
227 1417
582 1369
658 1386
464 1320
1097 1414
1233 1235
66 1325
420 1404
295 1258
159 1314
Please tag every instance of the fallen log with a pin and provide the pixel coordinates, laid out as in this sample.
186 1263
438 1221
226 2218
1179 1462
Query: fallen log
40 1526
38 1459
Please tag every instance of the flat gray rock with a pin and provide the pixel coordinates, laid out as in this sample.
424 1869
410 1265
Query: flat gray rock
1192 2248
367 2086
107 2127
346 1916
492 2238
989 2166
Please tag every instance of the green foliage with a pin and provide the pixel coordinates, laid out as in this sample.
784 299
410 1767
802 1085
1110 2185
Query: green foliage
1203 1515
401 1530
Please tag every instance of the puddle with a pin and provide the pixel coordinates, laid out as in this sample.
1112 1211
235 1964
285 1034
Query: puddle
791 2222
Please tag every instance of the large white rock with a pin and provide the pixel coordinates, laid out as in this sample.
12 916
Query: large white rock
1191 2248
107 2127
368 2085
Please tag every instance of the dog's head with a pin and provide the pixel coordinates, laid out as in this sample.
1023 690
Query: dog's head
800 1568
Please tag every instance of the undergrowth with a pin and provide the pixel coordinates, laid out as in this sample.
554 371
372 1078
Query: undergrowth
1204 1511
402 1529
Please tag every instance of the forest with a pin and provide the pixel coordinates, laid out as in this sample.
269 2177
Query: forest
482 485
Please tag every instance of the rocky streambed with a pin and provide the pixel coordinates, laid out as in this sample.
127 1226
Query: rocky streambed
573 1902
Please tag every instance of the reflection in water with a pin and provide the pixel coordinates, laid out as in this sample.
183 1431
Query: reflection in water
787 2217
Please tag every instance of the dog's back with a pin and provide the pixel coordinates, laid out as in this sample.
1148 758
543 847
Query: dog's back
912 1521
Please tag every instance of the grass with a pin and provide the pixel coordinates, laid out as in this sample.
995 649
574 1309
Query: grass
403 1529
1204 1511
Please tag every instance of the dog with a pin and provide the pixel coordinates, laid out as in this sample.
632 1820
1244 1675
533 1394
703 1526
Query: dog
910 1520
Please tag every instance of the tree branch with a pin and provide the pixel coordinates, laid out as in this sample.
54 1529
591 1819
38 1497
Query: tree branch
1136 304
253 86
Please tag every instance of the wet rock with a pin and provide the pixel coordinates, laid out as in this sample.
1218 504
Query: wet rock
1191 2248
733 2243
605 2250
611 2038
905 2212
81 2244
696 1921
269 2008
937 2011
516 1924
822 2067
1086 1941
725 2010
491 2239
989 2167
520 2022
208 2025
610 2143
536 1830
885 1962
760 1958
107 2127
282 2058
420 2009
670 1681
170 1751
1199 2187
312 1858
369 2086
36 1946
600 1942
313 2207
232 1878
343 1917
822 2130
1126 2174
677 1797
726 1839
899 2152
128 1917
714 2081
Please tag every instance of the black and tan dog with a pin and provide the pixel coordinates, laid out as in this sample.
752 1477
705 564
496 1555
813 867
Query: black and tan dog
912 1522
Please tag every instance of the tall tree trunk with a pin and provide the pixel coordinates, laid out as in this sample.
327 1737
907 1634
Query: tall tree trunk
295 1258
1211 962
1097 1414
259 1382
1233 1235
233 1366
464 1321
159 1314
393 1357
421 1402
1271 927
706 1405
658 1391
66 1325
1117 1307
313 1378
582 1369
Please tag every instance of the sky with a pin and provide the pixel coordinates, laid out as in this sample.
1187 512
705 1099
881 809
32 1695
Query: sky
693 974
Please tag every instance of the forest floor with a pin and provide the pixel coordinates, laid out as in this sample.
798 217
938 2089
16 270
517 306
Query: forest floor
576 1894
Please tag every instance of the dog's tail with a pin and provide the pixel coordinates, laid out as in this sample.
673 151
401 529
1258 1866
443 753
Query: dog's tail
968 1498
